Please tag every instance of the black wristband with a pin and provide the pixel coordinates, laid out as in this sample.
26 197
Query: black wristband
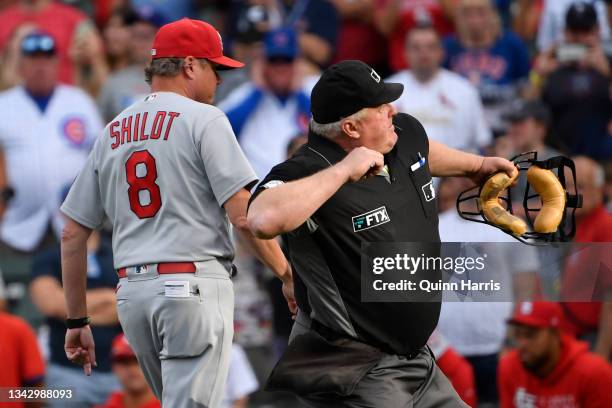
77 323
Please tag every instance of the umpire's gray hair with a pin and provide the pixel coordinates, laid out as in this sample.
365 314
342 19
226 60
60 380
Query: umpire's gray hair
168 67
334 129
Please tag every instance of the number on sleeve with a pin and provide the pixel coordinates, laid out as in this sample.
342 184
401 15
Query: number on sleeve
143 183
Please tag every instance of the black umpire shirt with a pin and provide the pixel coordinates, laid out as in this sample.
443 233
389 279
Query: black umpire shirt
325 251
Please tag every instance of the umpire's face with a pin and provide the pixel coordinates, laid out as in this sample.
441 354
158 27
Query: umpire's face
374 129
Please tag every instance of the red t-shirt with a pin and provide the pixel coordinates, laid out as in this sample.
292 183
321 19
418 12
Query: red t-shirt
460 374
412 12
583 273
116 401
57 19
21 362
580 380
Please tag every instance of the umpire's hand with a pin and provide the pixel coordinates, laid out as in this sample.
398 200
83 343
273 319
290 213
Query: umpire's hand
491 165
80 348
362 162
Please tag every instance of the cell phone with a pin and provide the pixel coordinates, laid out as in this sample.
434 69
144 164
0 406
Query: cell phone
571 52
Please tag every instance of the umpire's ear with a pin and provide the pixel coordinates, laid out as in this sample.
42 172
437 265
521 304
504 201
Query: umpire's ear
350 127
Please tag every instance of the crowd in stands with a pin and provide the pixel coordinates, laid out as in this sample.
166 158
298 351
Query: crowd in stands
497 77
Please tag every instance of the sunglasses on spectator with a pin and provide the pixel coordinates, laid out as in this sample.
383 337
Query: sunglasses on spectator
38 44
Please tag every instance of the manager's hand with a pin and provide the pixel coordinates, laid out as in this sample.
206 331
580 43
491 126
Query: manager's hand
492 165
80 348
362 162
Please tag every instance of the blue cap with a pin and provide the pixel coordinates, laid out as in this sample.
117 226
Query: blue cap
38 42
281 43
146 14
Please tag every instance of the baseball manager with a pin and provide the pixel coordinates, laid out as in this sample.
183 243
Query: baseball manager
361 157
168 173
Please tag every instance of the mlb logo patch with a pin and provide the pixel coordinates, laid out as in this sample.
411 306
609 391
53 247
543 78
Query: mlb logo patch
73 129
141 269
428 191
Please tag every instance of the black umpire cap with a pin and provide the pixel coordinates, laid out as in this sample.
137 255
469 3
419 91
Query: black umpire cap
347 87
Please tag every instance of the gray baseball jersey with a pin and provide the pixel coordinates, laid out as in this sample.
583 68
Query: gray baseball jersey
161 171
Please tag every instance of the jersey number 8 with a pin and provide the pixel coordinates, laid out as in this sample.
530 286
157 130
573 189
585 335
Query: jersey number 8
143 183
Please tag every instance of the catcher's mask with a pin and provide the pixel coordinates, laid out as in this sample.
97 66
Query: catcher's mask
554 219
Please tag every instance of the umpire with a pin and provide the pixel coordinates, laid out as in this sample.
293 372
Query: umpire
362 157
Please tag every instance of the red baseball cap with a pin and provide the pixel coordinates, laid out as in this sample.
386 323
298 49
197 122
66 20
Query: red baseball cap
187 37
121 348
537 314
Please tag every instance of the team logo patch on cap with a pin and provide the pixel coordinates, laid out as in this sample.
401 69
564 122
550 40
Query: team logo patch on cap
370 219
73 128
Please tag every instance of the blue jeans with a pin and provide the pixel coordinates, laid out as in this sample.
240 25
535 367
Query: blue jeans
87 391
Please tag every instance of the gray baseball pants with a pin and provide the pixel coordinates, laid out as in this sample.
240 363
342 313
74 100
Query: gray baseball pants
395 382
181 328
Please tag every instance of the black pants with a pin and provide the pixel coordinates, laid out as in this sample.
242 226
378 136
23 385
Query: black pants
394 382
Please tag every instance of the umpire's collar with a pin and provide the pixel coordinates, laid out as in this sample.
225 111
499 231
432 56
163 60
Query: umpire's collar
328 149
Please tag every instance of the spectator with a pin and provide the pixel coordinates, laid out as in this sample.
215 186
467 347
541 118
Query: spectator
135 392
493 60
549 368
526 20
590 321
266 116
358 37
477 328
445 103
127 84
553 24
315 21
394 18
46 132
116 36
79 48
47 294
241 380
529 122
11 55
576 77
22 363
456 368
172 9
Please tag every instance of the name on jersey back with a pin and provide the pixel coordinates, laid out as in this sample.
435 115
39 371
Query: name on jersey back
141 126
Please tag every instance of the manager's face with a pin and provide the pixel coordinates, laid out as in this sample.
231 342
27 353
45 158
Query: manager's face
376 129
